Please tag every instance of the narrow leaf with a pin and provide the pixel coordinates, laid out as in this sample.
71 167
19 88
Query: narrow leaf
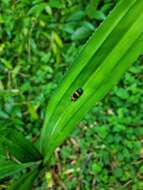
20 147
25 182
8 168
104 58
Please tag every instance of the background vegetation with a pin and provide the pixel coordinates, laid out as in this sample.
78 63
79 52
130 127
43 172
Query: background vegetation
38 42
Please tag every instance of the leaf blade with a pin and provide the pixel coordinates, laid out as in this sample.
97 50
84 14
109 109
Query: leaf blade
61 109
25 182
8 168
20 147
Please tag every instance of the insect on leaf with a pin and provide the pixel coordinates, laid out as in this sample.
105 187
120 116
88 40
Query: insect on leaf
108 53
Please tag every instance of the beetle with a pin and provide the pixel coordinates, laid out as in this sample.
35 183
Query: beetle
77 94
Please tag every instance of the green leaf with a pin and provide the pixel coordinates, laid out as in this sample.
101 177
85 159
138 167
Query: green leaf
83 32
96 168
57 39
20 147
118 172
3 115
6 63
76 16
103 131
99 15
102 61
8 168
37 9
56 4
25 182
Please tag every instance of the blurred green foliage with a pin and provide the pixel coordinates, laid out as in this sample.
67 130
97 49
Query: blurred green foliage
38 42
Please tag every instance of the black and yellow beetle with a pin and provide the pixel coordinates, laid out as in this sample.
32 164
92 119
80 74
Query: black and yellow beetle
77 94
